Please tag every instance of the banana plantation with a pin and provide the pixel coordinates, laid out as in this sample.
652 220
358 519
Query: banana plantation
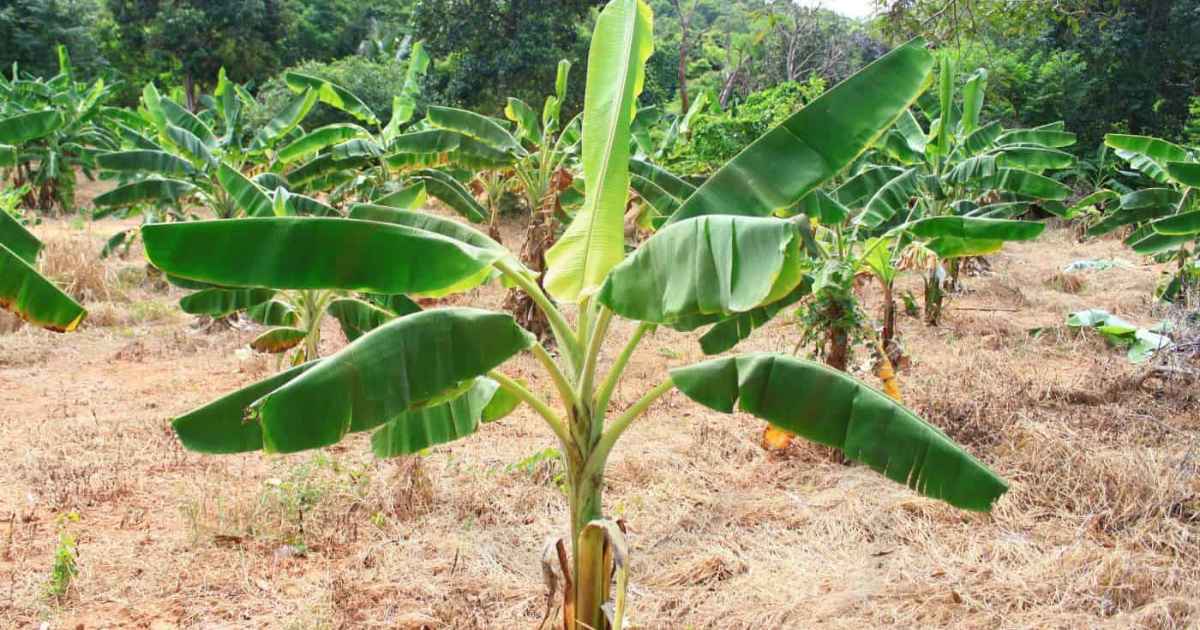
847 337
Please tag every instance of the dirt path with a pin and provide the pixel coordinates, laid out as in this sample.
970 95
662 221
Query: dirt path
1100 529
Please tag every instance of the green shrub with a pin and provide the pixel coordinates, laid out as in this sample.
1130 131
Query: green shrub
718 136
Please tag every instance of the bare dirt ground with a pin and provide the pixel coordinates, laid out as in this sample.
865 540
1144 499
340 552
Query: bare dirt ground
1100 530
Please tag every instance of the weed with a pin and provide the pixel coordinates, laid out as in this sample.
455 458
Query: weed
544 465
66 566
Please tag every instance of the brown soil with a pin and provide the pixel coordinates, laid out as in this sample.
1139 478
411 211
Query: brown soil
1101 527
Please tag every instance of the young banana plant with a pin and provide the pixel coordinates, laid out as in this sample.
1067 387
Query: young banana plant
293 317
957 170
437 375
1166 215
25 292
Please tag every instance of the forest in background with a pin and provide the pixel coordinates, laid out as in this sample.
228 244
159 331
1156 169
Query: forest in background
1102 66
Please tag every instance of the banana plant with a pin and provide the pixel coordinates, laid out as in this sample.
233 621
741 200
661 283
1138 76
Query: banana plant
54 127
533 155
1166 215
201 157
399 164
435 376
293 318
959 168
25 292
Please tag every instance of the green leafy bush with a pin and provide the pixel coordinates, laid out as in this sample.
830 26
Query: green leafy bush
718 136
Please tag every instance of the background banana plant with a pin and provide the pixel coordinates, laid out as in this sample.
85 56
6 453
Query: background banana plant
965 178
436 375
1165 215
530 152
50 129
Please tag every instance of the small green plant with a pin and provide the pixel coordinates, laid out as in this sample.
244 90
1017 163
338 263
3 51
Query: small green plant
547 459
10 202
66 566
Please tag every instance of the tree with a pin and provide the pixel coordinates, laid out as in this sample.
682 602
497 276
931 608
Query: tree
198 37
30 30
1119 65
488 50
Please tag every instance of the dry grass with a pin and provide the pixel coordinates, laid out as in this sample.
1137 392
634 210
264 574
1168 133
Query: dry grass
1100 529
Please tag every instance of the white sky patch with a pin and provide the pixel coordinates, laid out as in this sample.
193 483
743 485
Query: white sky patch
849 8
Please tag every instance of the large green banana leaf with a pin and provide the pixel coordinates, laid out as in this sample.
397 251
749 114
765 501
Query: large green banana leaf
973 93
1028 183
411 197
528 125
1128 216
178 116
287 119
1186 173
274 313
594 242
829 407
221 427
974 228
857 190
404 104
475 126
944 127
145 161
1147 242
249 198
1040 136
981 139
1153 148
727 333
1183 224
820 206
190 146
318 139
1147 154
332 95
816 143
664 179
152 190
400 366
219 302
429 223
33 298
662 190
357 317
892 199
8 155
715 265
436 147
18 240
1032 158
303 205
30 126
278 340
313 253
413 431
444 187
